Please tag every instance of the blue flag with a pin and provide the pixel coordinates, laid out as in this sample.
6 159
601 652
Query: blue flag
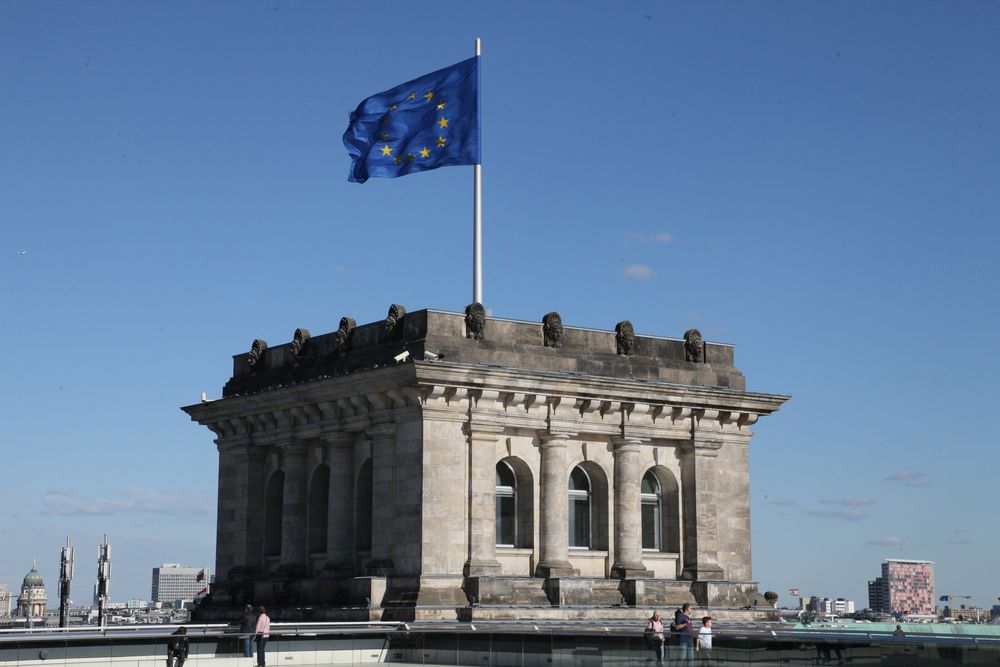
422 124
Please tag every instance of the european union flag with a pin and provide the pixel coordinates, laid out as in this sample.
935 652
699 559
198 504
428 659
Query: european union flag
422 124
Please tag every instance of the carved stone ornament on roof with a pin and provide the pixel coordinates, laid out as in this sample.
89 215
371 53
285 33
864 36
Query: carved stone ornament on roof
394 320
552 329
475 321
344 332
257 349
694 347
299 341
625 338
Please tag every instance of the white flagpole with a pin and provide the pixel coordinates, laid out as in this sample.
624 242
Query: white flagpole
477 209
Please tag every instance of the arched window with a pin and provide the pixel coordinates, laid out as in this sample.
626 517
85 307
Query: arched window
319 497
579 509
661 521
273 507
363 507
506 511
652 512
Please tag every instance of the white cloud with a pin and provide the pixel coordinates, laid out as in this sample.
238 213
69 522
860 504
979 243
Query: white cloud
891 541
641 238
844 515
912 479
141 501
638 272
850 502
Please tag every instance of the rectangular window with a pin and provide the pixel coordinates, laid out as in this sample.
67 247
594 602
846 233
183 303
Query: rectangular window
506 518
579 522
650 526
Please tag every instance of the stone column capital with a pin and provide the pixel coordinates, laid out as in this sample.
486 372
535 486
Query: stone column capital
626 444
381 431
294 448
338 439
554 438
703 447
484 431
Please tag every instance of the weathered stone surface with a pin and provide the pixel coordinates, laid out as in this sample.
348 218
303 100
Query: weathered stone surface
348 479
511 344
475 321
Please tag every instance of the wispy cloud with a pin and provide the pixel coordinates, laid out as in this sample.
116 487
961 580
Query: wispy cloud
912 479
956 541
638 272
142 501
843 515
849 502
783 503
655 238
891 541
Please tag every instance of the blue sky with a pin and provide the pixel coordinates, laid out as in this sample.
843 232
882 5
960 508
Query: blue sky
815 183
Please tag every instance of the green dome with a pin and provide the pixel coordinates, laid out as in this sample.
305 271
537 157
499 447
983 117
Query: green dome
33 579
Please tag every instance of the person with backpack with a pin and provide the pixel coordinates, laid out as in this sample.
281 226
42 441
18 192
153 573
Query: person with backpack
654 636
682 636
177 648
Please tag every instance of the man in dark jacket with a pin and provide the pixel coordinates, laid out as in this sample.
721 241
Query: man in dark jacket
248 624
177 648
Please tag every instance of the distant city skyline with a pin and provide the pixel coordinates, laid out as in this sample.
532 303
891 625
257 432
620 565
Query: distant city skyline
811 182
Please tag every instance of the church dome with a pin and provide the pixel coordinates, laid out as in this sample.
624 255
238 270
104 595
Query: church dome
33 579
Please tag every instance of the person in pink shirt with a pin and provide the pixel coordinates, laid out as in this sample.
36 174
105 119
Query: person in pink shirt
262 632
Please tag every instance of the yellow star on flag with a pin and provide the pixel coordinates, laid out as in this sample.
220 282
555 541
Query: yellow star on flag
398 159
392 108
424 152
429 96
410 158
386 150
440 142
440 105
443 122
412 96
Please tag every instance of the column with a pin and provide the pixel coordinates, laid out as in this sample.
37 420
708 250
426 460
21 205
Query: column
383 438
293 511
554 510
482 501
257 464
340 508
628 510
230 533
700 521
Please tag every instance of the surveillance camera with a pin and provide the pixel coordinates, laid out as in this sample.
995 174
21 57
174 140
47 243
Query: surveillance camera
431 356
402 356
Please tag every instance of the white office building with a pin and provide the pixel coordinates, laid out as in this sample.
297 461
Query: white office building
172 581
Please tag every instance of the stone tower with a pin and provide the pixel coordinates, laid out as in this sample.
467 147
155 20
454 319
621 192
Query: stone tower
440 465
32 601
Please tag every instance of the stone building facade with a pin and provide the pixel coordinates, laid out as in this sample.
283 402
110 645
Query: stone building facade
436 465
32 601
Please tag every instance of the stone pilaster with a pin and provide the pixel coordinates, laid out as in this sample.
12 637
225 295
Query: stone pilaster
383 437
628 510
701 497
293 510
340 507
482 500
256 470
554 515
231 524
